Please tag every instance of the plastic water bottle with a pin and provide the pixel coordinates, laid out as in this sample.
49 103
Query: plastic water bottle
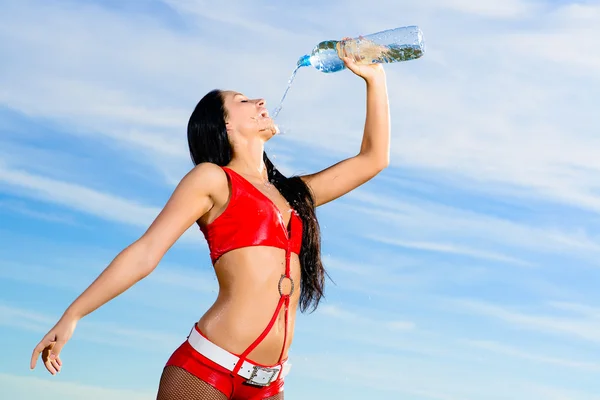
393 45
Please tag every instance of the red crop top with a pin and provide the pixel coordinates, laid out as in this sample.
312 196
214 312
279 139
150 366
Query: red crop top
250 219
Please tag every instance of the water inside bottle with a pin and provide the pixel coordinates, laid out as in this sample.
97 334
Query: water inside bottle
290 82
364 51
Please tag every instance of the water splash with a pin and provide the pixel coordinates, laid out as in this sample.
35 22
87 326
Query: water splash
290 81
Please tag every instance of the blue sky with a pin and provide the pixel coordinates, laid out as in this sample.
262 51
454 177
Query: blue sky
467 270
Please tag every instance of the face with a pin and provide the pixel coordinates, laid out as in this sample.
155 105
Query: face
246 117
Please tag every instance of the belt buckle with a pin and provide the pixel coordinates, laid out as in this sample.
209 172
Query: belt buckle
255 371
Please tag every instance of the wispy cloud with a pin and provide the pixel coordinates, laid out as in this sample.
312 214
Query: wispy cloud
426 221
490 8
582 328
511 351
26 387
186 278
79 198
361 320
86 200
105 333
415 377
165 289
22 208
494 168
450 129
450 249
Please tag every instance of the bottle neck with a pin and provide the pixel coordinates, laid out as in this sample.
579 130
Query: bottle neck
304 61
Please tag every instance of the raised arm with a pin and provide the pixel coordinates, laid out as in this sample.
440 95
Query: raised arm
341 178
192 198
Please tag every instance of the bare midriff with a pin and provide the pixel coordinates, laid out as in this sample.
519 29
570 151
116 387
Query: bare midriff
248 296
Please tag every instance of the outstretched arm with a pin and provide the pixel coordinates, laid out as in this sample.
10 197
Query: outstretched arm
341 178
192 198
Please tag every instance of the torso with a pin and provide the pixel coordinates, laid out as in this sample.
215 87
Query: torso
248 286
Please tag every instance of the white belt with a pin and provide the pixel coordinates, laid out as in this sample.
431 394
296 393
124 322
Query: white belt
255 374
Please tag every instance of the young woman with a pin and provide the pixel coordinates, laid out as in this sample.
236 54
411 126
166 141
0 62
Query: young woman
264 243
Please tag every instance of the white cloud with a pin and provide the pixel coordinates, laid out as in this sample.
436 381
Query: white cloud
425 221
511 351
186 278
79 198
582 328
22 208
22 387
581 309
553 393
488 8
450 249
105 333
360 320
401 325
337 312
500 107
143 102
87 200
417 378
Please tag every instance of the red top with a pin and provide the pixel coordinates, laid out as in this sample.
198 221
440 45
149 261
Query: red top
250 219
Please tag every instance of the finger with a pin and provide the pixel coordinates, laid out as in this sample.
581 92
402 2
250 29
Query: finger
37 351
59 361
55 365
350 63
50 367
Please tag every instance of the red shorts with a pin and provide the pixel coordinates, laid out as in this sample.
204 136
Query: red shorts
233 386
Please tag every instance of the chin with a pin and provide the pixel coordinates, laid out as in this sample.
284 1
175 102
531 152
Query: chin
268 134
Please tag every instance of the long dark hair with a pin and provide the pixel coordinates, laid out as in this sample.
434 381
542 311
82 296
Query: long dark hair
208 142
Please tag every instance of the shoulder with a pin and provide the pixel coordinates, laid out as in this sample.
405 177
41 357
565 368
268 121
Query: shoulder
207 177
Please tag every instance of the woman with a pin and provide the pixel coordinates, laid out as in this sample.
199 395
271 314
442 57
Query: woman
264 243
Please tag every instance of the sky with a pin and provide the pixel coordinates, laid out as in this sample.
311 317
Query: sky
467 270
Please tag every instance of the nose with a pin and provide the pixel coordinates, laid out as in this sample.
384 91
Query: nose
261 102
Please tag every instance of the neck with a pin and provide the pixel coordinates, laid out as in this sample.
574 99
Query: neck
248 159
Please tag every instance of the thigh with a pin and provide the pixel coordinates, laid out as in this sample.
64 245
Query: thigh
176 384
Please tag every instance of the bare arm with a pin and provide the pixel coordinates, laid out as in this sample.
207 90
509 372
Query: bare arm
373 157
192 198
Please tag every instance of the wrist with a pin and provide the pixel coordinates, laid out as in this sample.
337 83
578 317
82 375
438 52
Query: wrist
71 315
375 79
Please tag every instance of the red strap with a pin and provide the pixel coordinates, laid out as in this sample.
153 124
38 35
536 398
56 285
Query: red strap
260 338
287 312
283 300
287 300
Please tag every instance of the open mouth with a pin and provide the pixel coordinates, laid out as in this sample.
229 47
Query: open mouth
264 114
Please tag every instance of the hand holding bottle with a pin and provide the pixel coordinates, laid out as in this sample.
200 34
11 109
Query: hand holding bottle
366 71
52 344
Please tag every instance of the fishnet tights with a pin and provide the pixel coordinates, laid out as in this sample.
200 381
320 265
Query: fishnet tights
178 384
278 396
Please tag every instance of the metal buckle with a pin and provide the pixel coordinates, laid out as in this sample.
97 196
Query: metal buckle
283 276
256 369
